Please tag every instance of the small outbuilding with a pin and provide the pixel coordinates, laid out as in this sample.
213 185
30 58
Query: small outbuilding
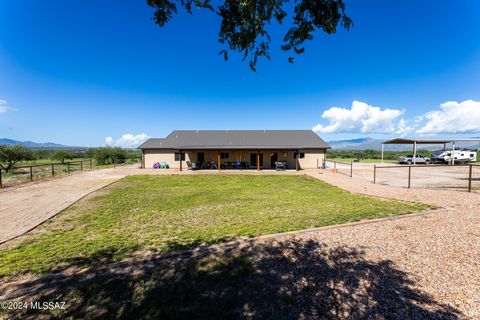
244 149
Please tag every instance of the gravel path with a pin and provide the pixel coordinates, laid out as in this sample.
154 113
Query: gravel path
440 251
27 206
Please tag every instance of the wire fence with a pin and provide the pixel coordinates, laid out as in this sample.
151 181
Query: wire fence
429 176
21 174
345 168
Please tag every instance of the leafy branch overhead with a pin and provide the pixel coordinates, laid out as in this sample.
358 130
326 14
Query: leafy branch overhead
244 22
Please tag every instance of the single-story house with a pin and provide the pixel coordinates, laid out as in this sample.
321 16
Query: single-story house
218 149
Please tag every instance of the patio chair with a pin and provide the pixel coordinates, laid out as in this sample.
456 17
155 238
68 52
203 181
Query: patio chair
279 165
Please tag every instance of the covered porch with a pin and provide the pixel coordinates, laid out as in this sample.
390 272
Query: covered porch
241 159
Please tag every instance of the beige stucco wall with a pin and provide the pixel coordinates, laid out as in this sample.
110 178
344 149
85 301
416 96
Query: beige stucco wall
152 156
312 157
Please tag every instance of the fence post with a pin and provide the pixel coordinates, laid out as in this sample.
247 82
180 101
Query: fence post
53 170
351 169
68 167
470 178
31 173
409 176
374 172
81 165
1 186
91 164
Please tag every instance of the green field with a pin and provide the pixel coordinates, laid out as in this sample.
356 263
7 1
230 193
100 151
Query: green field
361 160
42 168
168 213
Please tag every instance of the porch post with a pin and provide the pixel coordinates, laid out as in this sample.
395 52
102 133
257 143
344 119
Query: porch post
414 152
383 145
218 160
453 153
258 161
296 161
180 155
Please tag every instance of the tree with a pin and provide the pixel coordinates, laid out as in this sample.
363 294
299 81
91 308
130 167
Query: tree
109 155
244 23
61 155
11 154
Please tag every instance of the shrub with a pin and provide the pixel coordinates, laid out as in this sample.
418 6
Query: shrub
61 156
11 154
109 155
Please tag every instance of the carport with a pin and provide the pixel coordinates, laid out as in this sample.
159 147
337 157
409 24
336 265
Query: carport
415 142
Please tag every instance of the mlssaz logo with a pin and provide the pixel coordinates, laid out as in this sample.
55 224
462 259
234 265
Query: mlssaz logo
47 305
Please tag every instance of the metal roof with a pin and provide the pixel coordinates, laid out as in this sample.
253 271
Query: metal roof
237 139
425 141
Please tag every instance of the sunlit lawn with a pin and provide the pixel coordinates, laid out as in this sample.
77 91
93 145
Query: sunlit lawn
167 213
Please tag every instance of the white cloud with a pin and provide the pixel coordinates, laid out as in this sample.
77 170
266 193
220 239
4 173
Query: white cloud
4 106
453 117
109 141
360 118
127 140
404 129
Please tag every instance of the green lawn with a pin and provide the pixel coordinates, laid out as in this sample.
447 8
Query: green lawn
167 213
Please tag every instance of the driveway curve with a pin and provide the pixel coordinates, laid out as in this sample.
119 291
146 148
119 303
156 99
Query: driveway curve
23 208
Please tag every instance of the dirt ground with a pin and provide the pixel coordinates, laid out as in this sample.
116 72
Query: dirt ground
24 207
418 267
422 176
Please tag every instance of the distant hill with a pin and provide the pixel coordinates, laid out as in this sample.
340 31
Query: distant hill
31 144
376 144
356 144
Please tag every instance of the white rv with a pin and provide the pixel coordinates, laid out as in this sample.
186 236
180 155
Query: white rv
460 156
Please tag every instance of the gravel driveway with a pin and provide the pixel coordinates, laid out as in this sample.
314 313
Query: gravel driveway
441 252
25 207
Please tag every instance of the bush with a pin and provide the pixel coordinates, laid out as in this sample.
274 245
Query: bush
109 155
371 154
11 154
61 156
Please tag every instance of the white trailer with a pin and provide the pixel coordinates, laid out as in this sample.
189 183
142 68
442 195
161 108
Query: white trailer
459 156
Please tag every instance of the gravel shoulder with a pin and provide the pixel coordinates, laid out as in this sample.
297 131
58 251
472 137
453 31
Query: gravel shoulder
25 207
441 251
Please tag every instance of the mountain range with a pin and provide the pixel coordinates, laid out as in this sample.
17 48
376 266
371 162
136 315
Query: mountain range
352 144
376 144
31 144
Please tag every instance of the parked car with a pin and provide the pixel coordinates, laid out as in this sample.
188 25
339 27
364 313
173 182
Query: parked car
419 159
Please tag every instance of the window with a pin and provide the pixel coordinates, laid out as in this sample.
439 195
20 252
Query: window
301 155
472 155
224 155
177 156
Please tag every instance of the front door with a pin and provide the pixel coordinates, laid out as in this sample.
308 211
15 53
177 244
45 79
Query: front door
273 159
200 157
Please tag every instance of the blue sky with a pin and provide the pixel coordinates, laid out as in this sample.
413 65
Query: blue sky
79 72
